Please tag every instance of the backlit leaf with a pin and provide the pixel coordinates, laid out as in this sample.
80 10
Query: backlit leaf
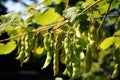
117 33
47 2
7 20
58 1
48 17
111 21
87 3
72 13
39 50
117 42
107 43
7 48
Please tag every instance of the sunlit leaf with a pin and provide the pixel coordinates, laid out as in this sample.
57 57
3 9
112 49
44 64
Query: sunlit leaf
96 14
48 17
7 48
58 1
117 33
117 43
111 21
72 13
47 2
87 3
7 20
101 8
107 43
29 19
114 3
39 50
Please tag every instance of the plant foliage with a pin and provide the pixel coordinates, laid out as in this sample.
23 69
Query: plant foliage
78 38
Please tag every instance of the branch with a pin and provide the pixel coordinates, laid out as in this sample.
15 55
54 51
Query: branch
90 6
49 26
38 30
67 3
104 18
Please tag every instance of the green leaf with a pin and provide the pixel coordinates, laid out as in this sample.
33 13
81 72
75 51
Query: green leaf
87 3
40 50
96 14
117 33
48 17
58 1
111 21
7 48
28 20
8 20
72 13
101 8
47 2
117 42
107 43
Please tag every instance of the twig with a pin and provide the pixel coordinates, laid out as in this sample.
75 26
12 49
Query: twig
67 3
52 25
104 18
12 37
38 30
90 6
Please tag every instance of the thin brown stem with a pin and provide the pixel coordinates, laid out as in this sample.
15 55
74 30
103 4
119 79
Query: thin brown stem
52 25
38 30
12 37
90 6
104 18
67 3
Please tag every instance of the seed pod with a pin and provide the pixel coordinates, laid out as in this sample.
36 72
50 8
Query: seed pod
67 49
88 58
68 69
47 42
62 57
116 71
21 50
116 58
77 49
27 49
76 69
49 49
55 62
56 54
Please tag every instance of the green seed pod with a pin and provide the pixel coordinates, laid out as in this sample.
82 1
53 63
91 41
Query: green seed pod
67 49
116 58
69 68
76 69
56 62
49 49
48 59
88 58
77 49
21 49
46 43
116 71
62 57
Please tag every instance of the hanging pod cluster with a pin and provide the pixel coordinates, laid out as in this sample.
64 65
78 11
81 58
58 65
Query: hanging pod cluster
67 48
73 50
52 44
116 58
24 47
